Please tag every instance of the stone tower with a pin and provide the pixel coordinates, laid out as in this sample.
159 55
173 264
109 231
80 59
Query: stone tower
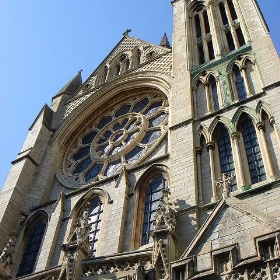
163 164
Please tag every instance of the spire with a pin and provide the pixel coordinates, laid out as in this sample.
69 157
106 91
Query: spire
72 86
164 41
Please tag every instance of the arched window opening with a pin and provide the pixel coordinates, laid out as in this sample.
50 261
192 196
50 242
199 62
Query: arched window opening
32 247
152 199
117 70
225 154
253 153
239 83
223 13
138 57
232 10
214 90
200 100
95 213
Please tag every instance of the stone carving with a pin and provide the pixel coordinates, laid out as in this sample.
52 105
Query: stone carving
6 257
224 182
165 214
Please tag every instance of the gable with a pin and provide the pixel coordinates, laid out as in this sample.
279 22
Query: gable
128 56
233 223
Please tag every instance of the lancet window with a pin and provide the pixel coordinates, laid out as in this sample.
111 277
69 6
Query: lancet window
32 244
203 37
244 79
252 149
152 199
231 25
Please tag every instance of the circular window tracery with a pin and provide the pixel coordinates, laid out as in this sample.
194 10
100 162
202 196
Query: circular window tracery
123 136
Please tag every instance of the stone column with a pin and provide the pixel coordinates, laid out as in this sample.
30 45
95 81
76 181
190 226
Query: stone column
237 161
244 75
214 29
210 147
265 152
199 179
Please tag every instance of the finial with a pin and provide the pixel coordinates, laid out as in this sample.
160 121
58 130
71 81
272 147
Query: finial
224 182
126 32
79 72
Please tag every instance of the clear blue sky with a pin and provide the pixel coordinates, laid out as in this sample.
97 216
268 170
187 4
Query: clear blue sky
44 43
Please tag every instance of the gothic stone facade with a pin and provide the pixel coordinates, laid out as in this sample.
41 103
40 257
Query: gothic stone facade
163 164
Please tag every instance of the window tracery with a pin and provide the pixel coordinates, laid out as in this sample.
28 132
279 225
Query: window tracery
122 136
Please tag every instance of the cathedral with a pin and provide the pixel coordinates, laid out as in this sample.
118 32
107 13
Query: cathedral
163 164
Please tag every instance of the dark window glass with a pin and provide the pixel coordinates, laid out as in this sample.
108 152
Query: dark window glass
232 10
214 90
31 249
230 41
197 26
223 13
152 199
211 50
206 22
93 172
81 153
239 84
95 215
240 36
253 153
81 166
139 106
201 54
87 139
123 110
225 153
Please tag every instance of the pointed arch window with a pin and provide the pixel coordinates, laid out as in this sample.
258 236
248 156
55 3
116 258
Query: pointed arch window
231 25
225 154
239 83
32 247
253 153
152 199
95 213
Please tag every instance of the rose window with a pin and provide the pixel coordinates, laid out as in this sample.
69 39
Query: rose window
123 136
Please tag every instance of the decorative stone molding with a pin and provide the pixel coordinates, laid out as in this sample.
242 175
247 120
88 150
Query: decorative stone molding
6 257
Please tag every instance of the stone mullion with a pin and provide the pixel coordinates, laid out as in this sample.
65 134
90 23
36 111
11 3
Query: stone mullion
203 36
265 152
219 92
214 29
210 147
222 36
240 180
232 29
244 75
199 179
